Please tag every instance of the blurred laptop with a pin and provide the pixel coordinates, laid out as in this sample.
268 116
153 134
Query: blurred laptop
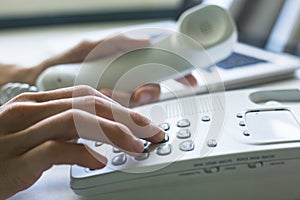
265 36
246 66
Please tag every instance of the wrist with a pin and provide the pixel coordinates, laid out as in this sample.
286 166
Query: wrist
11 73
27 75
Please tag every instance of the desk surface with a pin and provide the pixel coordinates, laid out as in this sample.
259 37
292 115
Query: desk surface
30 46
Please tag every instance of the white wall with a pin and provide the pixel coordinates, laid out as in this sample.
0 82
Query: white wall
10 8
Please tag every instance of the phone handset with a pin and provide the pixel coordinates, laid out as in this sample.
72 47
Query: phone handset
206 34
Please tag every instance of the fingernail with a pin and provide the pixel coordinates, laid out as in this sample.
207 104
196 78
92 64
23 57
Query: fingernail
100 166
106 92
138 146
159 137
145 98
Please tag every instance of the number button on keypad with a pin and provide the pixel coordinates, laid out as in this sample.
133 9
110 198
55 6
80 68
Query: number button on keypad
164 149
183 134
164 126
119 159
142 156
187 145
183 123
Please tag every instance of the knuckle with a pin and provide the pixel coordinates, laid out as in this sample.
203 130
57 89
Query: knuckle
68 115
117 128
139 119
81 148
66 119
26 96
121 131
15 115
91 103
52 152
95 102
73 113
120 136
90 100
85 90
102 103
19 108
40 96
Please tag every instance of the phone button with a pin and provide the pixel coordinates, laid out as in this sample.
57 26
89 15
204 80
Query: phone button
183 123
255 165
242 123
246 133
164 149
205 118
166 139
187 145
164 126
239 115
98 144
183 134
212 170
89 170
212 143
142 156
119 159
116 150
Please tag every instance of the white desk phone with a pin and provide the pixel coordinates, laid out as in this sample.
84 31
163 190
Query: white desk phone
216 142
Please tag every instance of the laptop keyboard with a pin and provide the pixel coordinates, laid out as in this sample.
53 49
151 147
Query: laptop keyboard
238 60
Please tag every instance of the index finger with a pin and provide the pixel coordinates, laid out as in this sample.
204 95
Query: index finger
63 93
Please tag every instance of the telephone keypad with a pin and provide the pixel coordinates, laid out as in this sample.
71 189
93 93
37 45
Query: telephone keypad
164 148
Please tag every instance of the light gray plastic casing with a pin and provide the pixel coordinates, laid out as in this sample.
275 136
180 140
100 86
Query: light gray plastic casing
258 146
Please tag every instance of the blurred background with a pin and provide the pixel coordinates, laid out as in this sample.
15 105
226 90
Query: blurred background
269 24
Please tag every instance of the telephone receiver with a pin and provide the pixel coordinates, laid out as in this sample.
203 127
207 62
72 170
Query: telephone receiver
205 35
